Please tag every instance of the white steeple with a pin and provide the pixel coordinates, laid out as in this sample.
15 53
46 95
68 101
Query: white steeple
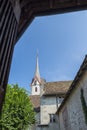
36 81
37 73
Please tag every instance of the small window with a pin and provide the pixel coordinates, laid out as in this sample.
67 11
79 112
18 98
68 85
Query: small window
35 89
52 118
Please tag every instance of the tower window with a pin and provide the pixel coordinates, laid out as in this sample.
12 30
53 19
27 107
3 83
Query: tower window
35 89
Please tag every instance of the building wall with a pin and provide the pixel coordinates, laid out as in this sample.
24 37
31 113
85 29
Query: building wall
71 116
48 106
46 110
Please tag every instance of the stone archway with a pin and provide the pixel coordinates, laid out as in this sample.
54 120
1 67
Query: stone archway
16 15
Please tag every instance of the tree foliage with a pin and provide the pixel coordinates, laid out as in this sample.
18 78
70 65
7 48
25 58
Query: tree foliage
17 111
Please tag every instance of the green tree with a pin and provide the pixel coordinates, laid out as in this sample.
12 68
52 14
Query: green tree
17 112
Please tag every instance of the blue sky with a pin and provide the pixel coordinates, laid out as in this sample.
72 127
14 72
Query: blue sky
62 44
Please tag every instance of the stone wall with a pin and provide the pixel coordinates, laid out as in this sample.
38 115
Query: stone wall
71 115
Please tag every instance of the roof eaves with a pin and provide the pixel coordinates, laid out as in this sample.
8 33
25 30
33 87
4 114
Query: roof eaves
54 94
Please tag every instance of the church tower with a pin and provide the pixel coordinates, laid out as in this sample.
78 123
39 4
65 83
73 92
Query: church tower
36 81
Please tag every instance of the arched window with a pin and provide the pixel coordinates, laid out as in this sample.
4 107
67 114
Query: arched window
35 89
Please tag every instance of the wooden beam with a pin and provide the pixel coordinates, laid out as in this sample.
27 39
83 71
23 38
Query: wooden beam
46 7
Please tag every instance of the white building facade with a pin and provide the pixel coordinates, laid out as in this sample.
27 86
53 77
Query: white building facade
50 96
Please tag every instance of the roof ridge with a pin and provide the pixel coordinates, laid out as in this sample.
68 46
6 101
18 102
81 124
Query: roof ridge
60 81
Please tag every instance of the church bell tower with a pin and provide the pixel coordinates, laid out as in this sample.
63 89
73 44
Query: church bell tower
36 81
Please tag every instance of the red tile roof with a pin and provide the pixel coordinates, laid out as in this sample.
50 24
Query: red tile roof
53 88
35 99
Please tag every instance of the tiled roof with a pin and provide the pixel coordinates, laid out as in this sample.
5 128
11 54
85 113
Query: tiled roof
52 88
35 99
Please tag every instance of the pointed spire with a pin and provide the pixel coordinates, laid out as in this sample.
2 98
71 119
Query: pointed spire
37 73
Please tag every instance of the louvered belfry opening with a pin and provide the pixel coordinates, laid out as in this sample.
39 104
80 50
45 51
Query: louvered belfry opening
8 31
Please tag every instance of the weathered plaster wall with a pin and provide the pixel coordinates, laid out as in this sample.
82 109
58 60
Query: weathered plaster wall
71 116
45 111
48 106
